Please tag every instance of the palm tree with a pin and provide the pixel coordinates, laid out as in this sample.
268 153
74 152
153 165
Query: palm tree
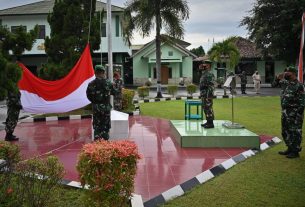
225 52
146 15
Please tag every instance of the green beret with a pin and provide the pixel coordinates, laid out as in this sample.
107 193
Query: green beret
99 68
292 69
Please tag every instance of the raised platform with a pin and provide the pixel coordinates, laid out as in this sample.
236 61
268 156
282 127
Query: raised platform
189 133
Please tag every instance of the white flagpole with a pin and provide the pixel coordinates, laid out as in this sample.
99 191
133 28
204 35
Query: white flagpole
109 34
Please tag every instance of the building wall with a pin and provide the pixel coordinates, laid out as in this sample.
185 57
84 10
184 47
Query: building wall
118 44
145 62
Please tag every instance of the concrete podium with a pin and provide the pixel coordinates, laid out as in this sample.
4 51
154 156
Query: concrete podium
189 133
119 126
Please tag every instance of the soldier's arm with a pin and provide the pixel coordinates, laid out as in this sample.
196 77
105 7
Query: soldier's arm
89 93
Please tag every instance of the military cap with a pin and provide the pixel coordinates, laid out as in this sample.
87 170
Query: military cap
292 69
207 62
99 68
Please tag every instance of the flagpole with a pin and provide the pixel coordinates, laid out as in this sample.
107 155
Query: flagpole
300 68
109 34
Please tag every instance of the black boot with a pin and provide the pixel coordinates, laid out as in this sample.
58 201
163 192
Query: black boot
286 152
11 137
292 155
203 125
209 124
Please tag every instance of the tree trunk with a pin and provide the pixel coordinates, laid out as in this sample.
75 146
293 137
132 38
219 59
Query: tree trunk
158 50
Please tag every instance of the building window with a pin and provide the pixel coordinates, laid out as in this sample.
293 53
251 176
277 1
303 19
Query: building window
103 29
41 32
117 26
170 53
155 73
0 22
15 28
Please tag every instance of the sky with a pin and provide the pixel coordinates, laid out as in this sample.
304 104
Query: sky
209 20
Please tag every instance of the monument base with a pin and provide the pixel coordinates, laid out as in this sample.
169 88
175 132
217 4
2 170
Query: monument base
119 126
190 133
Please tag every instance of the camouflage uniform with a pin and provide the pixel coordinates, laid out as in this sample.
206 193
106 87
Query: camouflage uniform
13 109
243 82
98 93
117 99
292 102
207 92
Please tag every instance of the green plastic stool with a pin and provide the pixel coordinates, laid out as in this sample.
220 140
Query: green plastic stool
187 110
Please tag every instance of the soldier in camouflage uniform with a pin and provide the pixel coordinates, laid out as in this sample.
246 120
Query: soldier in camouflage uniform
13 108
98 93
292 102
118 85
243 82
207 81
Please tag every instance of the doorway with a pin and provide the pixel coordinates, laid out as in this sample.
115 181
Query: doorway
164 74
269 72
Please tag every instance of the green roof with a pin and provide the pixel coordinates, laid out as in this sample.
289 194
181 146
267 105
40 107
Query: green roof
46 7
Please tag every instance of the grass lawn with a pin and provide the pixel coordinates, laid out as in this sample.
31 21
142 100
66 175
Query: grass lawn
267 179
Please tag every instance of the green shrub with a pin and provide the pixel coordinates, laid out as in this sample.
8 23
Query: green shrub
37 181
11 154
172 89
191 88
127 98
143 91
108 168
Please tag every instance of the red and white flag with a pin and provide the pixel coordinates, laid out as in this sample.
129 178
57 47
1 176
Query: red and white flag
66 94
300 71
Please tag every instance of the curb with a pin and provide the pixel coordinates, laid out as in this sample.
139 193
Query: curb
207 175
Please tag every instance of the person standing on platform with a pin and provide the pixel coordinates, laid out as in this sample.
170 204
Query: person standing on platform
118 86
243 82
13 109
257 81
292 102
98 93
207 81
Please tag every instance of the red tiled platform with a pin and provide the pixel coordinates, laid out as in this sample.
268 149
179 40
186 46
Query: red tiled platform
164 164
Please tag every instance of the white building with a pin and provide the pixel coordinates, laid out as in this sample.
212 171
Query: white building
33 14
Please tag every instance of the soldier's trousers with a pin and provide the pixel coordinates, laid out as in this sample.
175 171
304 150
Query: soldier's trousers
292 122
11 119
117 102
243 88
207 107
101 124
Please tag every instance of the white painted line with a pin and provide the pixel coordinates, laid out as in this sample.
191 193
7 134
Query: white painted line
276 140
136 201
173 193
248 153
75 117
205 176
52 118
228 163
264 146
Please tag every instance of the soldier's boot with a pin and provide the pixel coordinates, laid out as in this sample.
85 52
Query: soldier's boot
286 152
292 155
203 125
209 124
10 137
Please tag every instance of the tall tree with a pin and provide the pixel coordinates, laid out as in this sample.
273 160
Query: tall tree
69 23
199 51
225 52
146 15
275 26
17 42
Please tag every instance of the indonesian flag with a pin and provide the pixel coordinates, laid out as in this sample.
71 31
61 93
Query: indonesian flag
66 94
300 72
